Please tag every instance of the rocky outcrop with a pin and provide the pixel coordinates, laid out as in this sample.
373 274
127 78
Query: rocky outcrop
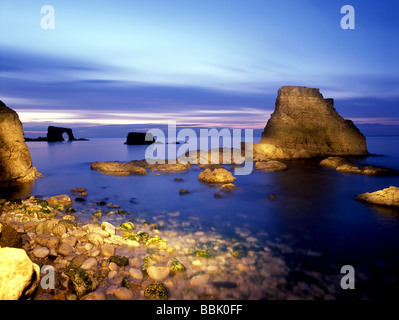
385 197
139 138
136 167
19 276
306 125
216 176
54 134
347 166
213 157
15 160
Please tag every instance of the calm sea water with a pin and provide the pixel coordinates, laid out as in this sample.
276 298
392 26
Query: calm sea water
315 222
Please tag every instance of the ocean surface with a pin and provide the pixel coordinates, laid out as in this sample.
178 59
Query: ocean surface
314 224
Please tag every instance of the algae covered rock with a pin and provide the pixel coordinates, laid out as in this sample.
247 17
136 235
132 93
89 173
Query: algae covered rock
82 281
156 291
176 266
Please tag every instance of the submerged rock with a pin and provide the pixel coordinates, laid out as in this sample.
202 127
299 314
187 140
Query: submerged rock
334 162
220 175
118 168
346 166
385 197
228 187
15 159
270 166
137 167
306 125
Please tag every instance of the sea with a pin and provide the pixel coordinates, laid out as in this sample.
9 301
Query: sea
312 225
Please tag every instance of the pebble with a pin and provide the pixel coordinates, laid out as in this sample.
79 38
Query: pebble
136 274
71 240
158 273
41 252
108 227
95 252
199 280
95 239
123 294
113 266
196 263
89 264
94 296
65 249
108 250
251 239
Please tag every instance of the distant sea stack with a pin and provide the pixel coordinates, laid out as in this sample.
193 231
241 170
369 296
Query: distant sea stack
15 160
54 134
305 125
138 138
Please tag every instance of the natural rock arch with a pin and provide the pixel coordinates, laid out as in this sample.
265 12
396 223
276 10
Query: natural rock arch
55 134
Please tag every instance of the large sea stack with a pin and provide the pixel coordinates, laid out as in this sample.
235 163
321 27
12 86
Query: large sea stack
15 160
305 125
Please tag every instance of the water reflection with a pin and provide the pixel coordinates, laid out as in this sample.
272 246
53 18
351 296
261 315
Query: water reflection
20 191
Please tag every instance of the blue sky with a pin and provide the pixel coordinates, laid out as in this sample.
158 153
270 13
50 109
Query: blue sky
202 63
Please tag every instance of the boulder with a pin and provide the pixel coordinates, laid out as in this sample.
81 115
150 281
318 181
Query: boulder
139 138
220 175
19 276
15 160
305 125
62 199
385 197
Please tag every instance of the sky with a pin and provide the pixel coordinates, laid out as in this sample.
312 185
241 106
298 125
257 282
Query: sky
209 63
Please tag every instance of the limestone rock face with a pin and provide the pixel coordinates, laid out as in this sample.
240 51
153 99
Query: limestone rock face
15 160
385 197
19 276
305 125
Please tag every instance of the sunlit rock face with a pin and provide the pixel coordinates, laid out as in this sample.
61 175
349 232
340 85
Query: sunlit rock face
305 125
15 160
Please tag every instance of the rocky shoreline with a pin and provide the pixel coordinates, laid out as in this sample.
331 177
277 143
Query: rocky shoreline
134 259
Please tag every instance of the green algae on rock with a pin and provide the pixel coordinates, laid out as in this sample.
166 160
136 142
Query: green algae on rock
156 291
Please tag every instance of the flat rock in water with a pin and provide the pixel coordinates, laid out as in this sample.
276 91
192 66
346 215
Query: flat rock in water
385 197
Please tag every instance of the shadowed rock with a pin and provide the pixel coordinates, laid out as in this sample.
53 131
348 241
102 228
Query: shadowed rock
139 138
54 134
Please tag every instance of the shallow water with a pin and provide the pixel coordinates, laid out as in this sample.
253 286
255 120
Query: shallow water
312 228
